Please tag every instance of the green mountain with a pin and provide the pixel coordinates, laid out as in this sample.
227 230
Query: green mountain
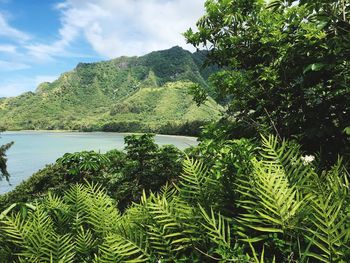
147 94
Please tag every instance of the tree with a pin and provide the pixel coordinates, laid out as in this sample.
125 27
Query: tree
285 66
3 160
151 166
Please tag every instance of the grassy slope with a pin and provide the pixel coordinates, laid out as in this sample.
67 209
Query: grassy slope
170 103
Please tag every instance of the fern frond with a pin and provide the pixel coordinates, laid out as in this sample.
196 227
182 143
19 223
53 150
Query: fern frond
169 224
12 227
286 156
218 228
272 204
92 206
61 248
103 214
329 231
168 192
76 198
56 207
127 247
193 181
84 242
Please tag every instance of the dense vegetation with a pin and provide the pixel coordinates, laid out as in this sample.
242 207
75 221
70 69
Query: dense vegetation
285 71
142 166
252 204
134 94
286 68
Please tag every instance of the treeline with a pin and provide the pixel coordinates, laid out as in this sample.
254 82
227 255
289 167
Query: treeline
186 127
190 128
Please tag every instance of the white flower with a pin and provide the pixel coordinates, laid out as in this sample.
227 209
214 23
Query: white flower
307 159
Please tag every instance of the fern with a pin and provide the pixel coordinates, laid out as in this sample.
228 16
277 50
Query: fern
12 228
273 205
126 247
273 200
57 209
218 228
285 156
194 182
84 243
329 230
169 225
77 199
61 248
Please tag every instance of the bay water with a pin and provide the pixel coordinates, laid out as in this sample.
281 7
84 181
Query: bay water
32 150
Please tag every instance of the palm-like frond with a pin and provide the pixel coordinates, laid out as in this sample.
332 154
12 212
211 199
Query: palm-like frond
329 231
277 203
12 229
124 247
194 181
169 225
218 228
62 248
84 243
283 205
286 156
273 200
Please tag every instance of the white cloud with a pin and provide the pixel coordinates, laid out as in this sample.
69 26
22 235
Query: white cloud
10 32
73 20
138 27
112 28
123 27
8 48
12 66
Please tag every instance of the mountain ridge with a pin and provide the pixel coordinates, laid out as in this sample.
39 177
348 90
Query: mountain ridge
87 97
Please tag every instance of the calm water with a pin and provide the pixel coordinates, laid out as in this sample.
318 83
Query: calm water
33 150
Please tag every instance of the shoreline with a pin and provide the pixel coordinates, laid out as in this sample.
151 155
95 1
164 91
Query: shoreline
104 132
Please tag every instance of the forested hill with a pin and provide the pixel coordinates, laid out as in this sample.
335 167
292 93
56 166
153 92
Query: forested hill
148 93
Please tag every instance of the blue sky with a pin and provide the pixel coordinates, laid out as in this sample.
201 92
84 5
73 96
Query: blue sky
40 39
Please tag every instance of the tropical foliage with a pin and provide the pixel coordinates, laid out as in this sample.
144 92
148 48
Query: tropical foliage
285 68
261 198
124 174
286 211
3 159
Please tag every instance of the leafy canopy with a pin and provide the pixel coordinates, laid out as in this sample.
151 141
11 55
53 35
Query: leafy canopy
285 66
3 159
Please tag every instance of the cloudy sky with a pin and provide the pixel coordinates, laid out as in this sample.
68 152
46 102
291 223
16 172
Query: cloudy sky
40 39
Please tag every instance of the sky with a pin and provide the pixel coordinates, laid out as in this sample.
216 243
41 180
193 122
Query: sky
41 39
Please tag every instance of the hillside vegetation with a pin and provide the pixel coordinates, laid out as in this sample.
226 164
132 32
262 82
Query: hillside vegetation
148 94
269 182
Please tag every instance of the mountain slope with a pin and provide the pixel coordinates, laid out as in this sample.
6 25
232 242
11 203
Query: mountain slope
125 94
